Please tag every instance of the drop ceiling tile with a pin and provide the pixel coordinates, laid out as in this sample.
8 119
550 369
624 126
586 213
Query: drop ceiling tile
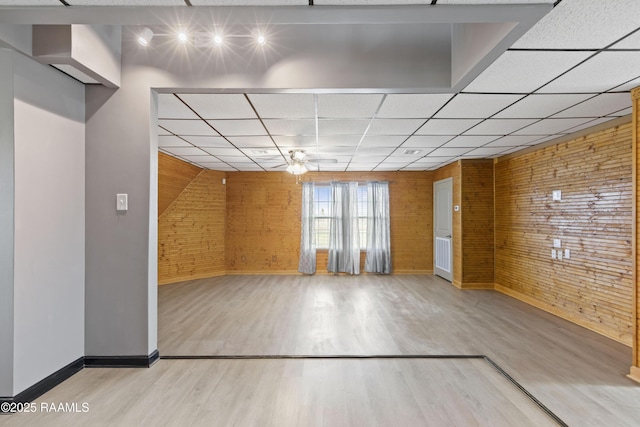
394 126
31 3
512 150
234 159
336 151
367 2
389 167
514 140
486 151
346 106
291 127
170 107
446 126
538 106
601 105
340 140
582 24
601 73
361 167
505 75
630 42
200 159
371 141
207 141
343 127
628 85
334 167
219 105
251 141
126 2
476 2
434 159
206 161
238 127
284 105
427 141
187 127
499 126
184 151
621 113
467 105
470 141
222 151
449 151
295 141
368 159
378 151
550 126
250 3
589 124
410 106
171 141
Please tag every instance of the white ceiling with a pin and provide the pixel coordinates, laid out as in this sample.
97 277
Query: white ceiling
572 70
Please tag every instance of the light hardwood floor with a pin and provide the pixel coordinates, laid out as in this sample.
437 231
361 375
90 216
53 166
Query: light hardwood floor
577 374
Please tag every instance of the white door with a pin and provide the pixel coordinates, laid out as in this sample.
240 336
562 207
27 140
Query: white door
443 228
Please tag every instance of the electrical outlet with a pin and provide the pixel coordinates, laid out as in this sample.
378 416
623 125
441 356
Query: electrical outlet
560 254
556 195
554 254
557 243
567 254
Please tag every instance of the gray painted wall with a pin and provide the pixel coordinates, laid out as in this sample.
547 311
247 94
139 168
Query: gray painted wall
6 222
49 221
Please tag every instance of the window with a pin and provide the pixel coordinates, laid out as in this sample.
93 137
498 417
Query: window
322 213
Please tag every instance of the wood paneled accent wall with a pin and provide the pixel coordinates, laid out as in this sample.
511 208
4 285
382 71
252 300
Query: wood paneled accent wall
473 243
263 220
635 368
191 231
476 215
594 221
173 177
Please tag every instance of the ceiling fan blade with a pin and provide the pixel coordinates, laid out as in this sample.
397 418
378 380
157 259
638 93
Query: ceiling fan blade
316 160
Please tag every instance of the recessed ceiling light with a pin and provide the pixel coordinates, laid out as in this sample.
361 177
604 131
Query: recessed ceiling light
183 37
218 40
261 40
145 36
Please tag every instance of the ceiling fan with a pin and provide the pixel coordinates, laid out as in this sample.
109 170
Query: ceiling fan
300 162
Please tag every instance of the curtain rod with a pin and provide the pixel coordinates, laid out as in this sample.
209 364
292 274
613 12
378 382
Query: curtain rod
359 182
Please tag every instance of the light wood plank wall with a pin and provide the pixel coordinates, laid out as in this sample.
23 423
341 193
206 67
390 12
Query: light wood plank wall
191 231
476 214
263 220
173 177
635 368
593 220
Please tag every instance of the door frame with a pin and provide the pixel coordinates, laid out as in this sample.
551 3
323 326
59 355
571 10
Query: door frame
437 271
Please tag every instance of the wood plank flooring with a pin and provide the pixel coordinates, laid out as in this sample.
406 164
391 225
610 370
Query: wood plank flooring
325 392
577 374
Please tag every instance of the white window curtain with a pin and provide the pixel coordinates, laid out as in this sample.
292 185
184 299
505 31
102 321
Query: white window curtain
344 236
307 262
378 259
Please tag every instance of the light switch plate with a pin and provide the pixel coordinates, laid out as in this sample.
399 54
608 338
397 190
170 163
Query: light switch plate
567 254
557 195
553 254
122 202
560 254
557 243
